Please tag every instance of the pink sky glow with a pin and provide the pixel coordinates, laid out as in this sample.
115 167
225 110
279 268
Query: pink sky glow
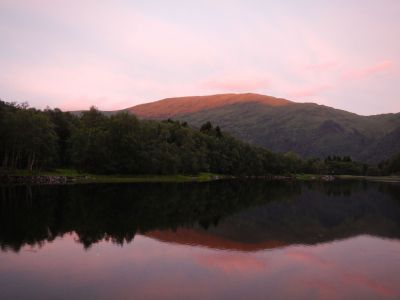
152 270
73 54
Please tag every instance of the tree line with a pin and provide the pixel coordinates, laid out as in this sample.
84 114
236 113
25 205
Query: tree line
92 212
92 142
31 215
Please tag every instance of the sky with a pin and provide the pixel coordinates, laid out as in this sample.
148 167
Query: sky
116 54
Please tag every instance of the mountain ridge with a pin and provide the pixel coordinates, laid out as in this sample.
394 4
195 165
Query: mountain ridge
191 104
242 97
308 129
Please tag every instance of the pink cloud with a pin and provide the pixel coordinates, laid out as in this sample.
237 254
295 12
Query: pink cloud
360 73
230 263
310 91
378 287
322 67
154 54
78 86
236 85
326 289
308 258
362 279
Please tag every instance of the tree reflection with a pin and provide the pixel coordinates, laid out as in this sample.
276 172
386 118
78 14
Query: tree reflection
286 211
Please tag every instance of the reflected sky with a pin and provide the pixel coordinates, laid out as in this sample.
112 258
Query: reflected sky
362 267
227 240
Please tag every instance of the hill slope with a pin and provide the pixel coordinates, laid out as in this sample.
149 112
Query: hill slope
281 125
188 105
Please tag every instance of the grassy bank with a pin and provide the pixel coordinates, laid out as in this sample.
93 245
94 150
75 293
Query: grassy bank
394 178
93 178
78 177
312 177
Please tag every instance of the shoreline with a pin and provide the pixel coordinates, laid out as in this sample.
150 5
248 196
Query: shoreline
392 178
36 179
67 176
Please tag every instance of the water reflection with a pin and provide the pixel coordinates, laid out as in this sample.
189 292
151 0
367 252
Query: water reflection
243 216
223 240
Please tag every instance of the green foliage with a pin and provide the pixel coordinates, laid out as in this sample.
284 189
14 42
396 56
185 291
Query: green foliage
391 166
308 129
27 137
63 124
344 165
121 144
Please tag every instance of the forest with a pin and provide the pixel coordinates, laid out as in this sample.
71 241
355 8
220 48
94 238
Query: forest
32 139
32 215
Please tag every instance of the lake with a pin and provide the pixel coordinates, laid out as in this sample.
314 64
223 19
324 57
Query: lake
220 240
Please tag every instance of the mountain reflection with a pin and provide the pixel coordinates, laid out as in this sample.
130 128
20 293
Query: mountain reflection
235 215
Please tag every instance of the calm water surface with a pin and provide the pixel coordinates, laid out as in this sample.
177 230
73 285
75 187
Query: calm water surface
221 240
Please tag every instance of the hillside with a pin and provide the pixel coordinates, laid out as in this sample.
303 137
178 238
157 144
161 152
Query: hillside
189 105
312 217
281 125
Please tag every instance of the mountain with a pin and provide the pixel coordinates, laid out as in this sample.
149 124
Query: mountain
182 106
308 129
312 217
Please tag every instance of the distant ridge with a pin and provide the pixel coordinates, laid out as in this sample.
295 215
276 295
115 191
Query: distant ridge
281 125
192 104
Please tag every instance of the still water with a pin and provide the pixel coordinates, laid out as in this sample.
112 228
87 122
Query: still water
220 240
